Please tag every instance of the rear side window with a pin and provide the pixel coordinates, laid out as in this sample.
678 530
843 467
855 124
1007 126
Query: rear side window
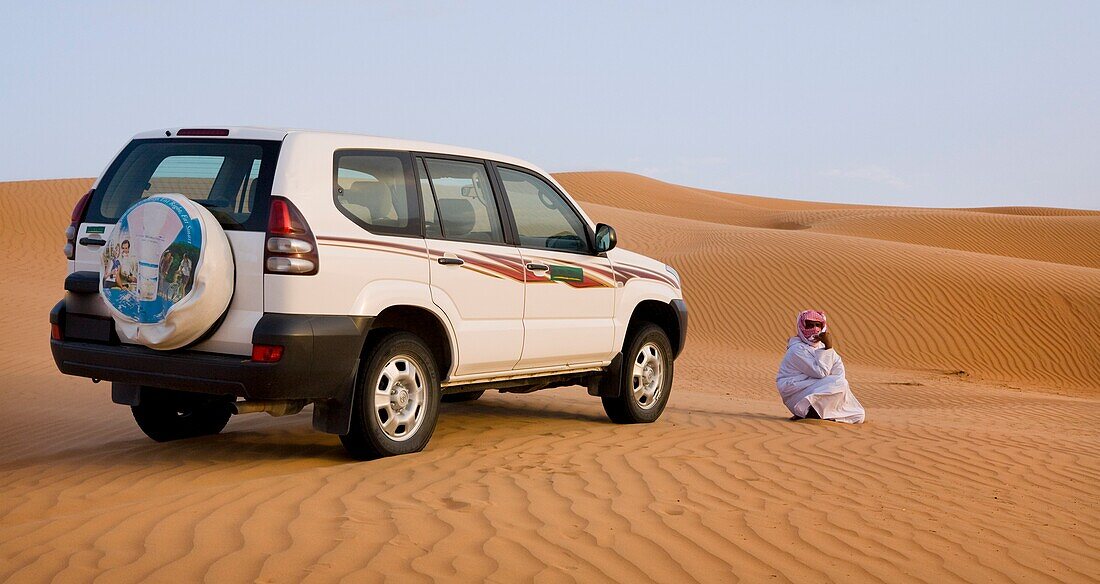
427 199
228 177
377 191
464 200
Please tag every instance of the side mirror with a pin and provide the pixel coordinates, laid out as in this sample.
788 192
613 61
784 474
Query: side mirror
605 238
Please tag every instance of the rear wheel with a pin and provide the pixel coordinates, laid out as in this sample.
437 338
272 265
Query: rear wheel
166 415
396 400
462 397
645 380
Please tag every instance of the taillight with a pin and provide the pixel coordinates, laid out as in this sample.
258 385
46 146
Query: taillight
74 224
291 247
55 332
267 353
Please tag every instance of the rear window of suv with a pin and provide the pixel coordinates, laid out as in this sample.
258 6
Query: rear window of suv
231 178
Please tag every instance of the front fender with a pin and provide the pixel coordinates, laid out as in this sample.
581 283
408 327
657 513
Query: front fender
633 293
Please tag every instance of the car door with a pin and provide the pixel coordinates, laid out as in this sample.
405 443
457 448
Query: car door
476 277
570 291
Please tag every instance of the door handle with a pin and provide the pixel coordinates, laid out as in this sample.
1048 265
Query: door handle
90 241
538 267
451 261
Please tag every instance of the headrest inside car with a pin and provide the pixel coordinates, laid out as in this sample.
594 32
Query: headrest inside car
373 195
457 216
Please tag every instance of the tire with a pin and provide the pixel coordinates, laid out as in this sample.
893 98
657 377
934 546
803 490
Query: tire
461 397
166 274
400 374
165 415
645 380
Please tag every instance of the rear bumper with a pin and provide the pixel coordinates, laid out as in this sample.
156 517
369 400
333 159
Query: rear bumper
319 360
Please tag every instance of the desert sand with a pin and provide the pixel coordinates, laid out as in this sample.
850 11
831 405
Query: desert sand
972 336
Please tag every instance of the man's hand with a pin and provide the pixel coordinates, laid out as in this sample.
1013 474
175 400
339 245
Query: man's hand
824 338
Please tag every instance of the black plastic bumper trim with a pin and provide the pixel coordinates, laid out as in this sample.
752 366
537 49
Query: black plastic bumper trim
82 282
681 309
319 358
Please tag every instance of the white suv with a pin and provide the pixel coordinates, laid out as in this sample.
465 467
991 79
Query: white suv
368 276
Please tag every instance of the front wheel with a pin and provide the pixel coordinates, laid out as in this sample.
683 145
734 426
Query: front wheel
396 400
645 380
165 415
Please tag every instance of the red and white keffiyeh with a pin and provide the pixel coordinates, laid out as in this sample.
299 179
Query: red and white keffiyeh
809 335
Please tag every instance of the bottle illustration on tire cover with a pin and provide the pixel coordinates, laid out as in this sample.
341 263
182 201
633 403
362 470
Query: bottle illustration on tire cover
150 258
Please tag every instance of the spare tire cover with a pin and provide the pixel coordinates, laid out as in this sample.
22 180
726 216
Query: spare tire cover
166 272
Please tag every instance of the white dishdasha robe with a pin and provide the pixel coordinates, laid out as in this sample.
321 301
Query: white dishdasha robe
809 375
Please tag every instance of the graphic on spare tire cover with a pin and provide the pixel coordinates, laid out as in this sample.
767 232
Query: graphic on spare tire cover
167 272
149 260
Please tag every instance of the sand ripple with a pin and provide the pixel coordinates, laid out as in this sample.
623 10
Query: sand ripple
978 463
518 488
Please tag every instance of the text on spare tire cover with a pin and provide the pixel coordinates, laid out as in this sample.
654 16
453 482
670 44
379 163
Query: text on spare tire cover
150 260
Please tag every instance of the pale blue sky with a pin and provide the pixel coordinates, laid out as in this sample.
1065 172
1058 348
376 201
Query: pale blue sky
929 103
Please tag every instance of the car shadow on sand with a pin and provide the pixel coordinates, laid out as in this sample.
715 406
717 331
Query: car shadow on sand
258 438
530 409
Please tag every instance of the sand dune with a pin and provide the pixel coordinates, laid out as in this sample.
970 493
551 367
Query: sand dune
1051 235
892 303
972 336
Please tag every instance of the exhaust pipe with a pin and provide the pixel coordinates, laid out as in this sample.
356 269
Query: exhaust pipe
276 408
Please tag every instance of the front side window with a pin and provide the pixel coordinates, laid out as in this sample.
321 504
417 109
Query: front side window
376 190
464 201
544 219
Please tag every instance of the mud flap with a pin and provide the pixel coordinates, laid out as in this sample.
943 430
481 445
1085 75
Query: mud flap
333 416
608 384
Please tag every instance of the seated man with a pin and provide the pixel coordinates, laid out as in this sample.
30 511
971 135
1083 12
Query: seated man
811 377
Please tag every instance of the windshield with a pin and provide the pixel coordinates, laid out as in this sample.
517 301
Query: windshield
231 178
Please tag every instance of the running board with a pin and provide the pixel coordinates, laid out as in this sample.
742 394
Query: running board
513 376
530 381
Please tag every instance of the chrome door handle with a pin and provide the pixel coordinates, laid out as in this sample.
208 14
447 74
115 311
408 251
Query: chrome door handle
91 241
538 267
451 261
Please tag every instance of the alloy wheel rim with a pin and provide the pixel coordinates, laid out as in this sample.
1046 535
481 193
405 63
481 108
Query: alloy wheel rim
647 376
400 398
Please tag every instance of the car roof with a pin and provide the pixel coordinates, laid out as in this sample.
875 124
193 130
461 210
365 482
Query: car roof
341 140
